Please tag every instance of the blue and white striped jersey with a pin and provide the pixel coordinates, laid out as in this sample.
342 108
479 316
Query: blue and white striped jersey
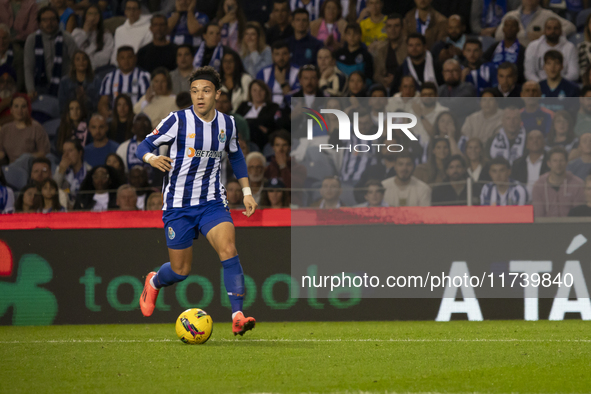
133 84
516 194
196 148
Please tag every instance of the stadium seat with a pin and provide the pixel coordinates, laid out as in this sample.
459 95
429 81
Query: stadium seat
16 177
45 108
581 19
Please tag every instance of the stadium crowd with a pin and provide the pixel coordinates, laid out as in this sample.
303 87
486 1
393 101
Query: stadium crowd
501 90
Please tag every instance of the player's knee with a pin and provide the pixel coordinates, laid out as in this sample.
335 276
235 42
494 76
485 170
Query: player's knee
227 252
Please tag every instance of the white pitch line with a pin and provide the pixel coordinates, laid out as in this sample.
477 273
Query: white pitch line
71 341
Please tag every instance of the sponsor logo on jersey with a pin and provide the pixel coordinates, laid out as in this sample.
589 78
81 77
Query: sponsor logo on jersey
192 152
155 132
192 135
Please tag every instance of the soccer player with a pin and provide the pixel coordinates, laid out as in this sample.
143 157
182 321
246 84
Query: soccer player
194 199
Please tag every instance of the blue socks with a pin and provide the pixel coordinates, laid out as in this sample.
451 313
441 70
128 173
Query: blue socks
166 277
234 282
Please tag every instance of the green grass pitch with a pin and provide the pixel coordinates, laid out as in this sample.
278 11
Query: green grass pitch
352 357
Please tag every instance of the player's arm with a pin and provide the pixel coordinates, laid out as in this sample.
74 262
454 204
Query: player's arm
163 134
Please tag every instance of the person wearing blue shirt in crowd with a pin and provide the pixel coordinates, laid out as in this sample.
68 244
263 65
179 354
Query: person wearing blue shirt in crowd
354 55
96 153
509 49
281 77
302 46
557 87
184 23
481 75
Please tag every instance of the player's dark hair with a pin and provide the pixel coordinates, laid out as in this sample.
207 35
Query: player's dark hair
189 47
417 36
45 9
280 44
500 160
474 41
125 48
585 89
353 26
553 54
300 11
208 73
282 134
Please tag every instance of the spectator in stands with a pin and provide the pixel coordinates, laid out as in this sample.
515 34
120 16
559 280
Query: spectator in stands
556 86
501 191
584 48
158 101
81 83
127 79
581 166
8 90
332 80
404 189
509 142
73 125
424 20
211 50
96 153
67 17
484 123
232 22
40 172
115 161
532 19
330 193
354 56
282 29
477 165
20 17
451 46
93 39
235 81
255 165
259 111
584 115
97 192
533 115
418 63
373 26
180 75
234 194
454 191
72 168
557 191
330 26
433 171
562 132
281 77
373 193
275 194
509 49
585 209
139 180
154 202
405 98
355 86
120 128
535 53
49 194
384 167
134 33
485 16
507 80
29 200
160 52
47 55
528 168
142 126
280 164
11 57
23 135
255 53
127 198
308 77
446 126
481 75
6 195
224 106
427 109
184 23
390 53
453 86
302 45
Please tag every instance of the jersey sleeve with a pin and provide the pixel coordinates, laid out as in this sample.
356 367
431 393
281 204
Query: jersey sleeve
164 134
235 154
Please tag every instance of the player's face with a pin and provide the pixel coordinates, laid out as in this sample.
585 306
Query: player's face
126 61
553 68
472 53
374 196
184 59
499 173
281 57
204 96
557 164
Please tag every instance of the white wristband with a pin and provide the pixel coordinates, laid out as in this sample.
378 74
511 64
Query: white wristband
148 157
246 191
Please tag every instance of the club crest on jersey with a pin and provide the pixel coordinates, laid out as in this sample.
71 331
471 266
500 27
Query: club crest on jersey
222 136
171 233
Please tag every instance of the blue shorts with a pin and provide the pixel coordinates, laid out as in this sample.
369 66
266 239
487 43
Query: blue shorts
182 225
